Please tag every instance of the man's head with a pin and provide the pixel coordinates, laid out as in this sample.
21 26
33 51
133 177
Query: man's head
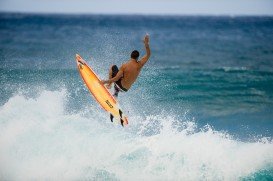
135 54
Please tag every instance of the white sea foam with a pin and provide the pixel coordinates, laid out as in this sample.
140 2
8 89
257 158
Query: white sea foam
39 140
228 69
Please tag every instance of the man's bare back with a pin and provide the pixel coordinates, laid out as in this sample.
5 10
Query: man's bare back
129 71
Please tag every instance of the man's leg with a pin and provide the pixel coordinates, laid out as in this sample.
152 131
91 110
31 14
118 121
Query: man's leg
112 73
116 91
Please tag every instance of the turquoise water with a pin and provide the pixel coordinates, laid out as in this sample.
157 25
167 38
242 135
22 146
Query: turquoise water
200 110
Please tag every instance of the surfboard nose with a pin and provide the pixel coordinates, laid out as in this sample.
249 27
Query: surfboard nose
79 60
78 57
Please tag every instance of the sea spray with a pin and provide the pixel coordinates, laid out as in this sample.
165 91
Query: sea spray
39 140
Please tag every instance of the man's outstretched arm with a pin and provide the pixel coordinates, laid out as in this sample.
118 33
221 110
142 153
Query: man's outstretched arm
146 57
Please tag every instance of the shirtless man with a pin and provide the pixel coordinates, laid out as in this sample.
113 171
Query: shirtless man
129 71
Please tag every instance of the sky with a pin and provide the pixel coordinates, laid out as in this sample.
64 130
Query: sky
161 7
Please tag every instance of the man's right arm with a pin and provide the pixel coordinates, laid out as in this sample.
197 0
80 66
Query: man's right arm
146 57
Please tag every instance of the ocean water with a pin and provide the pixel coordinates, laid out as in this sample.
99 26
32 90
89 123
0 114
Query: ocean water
202 108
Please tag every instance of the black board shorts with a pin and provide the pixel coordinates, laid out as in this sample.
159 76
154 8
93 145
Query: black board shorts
118 83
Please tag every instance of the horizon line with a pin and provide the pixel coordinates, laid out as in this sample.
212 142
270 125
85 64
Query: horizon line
137 14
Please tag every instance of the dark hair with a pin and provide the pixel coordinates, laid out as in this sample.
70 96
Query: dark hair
135 54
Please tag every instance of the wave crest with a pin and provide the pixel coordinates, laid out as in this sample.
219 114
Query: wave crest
40 140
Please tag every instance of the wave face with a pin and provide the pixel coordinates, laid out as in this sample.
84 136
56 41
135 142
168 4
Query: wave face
200 110
40 140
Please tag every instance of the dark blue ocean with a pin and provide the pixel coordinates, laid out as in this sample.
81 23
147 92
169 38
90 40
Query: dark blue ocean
202 108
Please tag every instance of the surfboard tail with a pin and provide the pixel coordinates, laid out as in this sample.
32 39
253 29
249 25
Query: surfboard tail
123 119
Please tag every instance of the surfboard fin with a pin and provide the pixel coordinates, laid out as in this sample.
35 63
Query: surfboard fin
120 113
111 117
121 121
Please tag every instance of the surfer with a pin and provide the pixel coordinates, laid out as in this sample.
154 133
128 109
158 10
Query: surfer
124 77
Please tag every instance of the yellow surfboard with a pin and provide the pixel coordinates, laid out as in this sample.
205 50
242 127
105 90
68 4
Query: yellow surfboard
100 93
